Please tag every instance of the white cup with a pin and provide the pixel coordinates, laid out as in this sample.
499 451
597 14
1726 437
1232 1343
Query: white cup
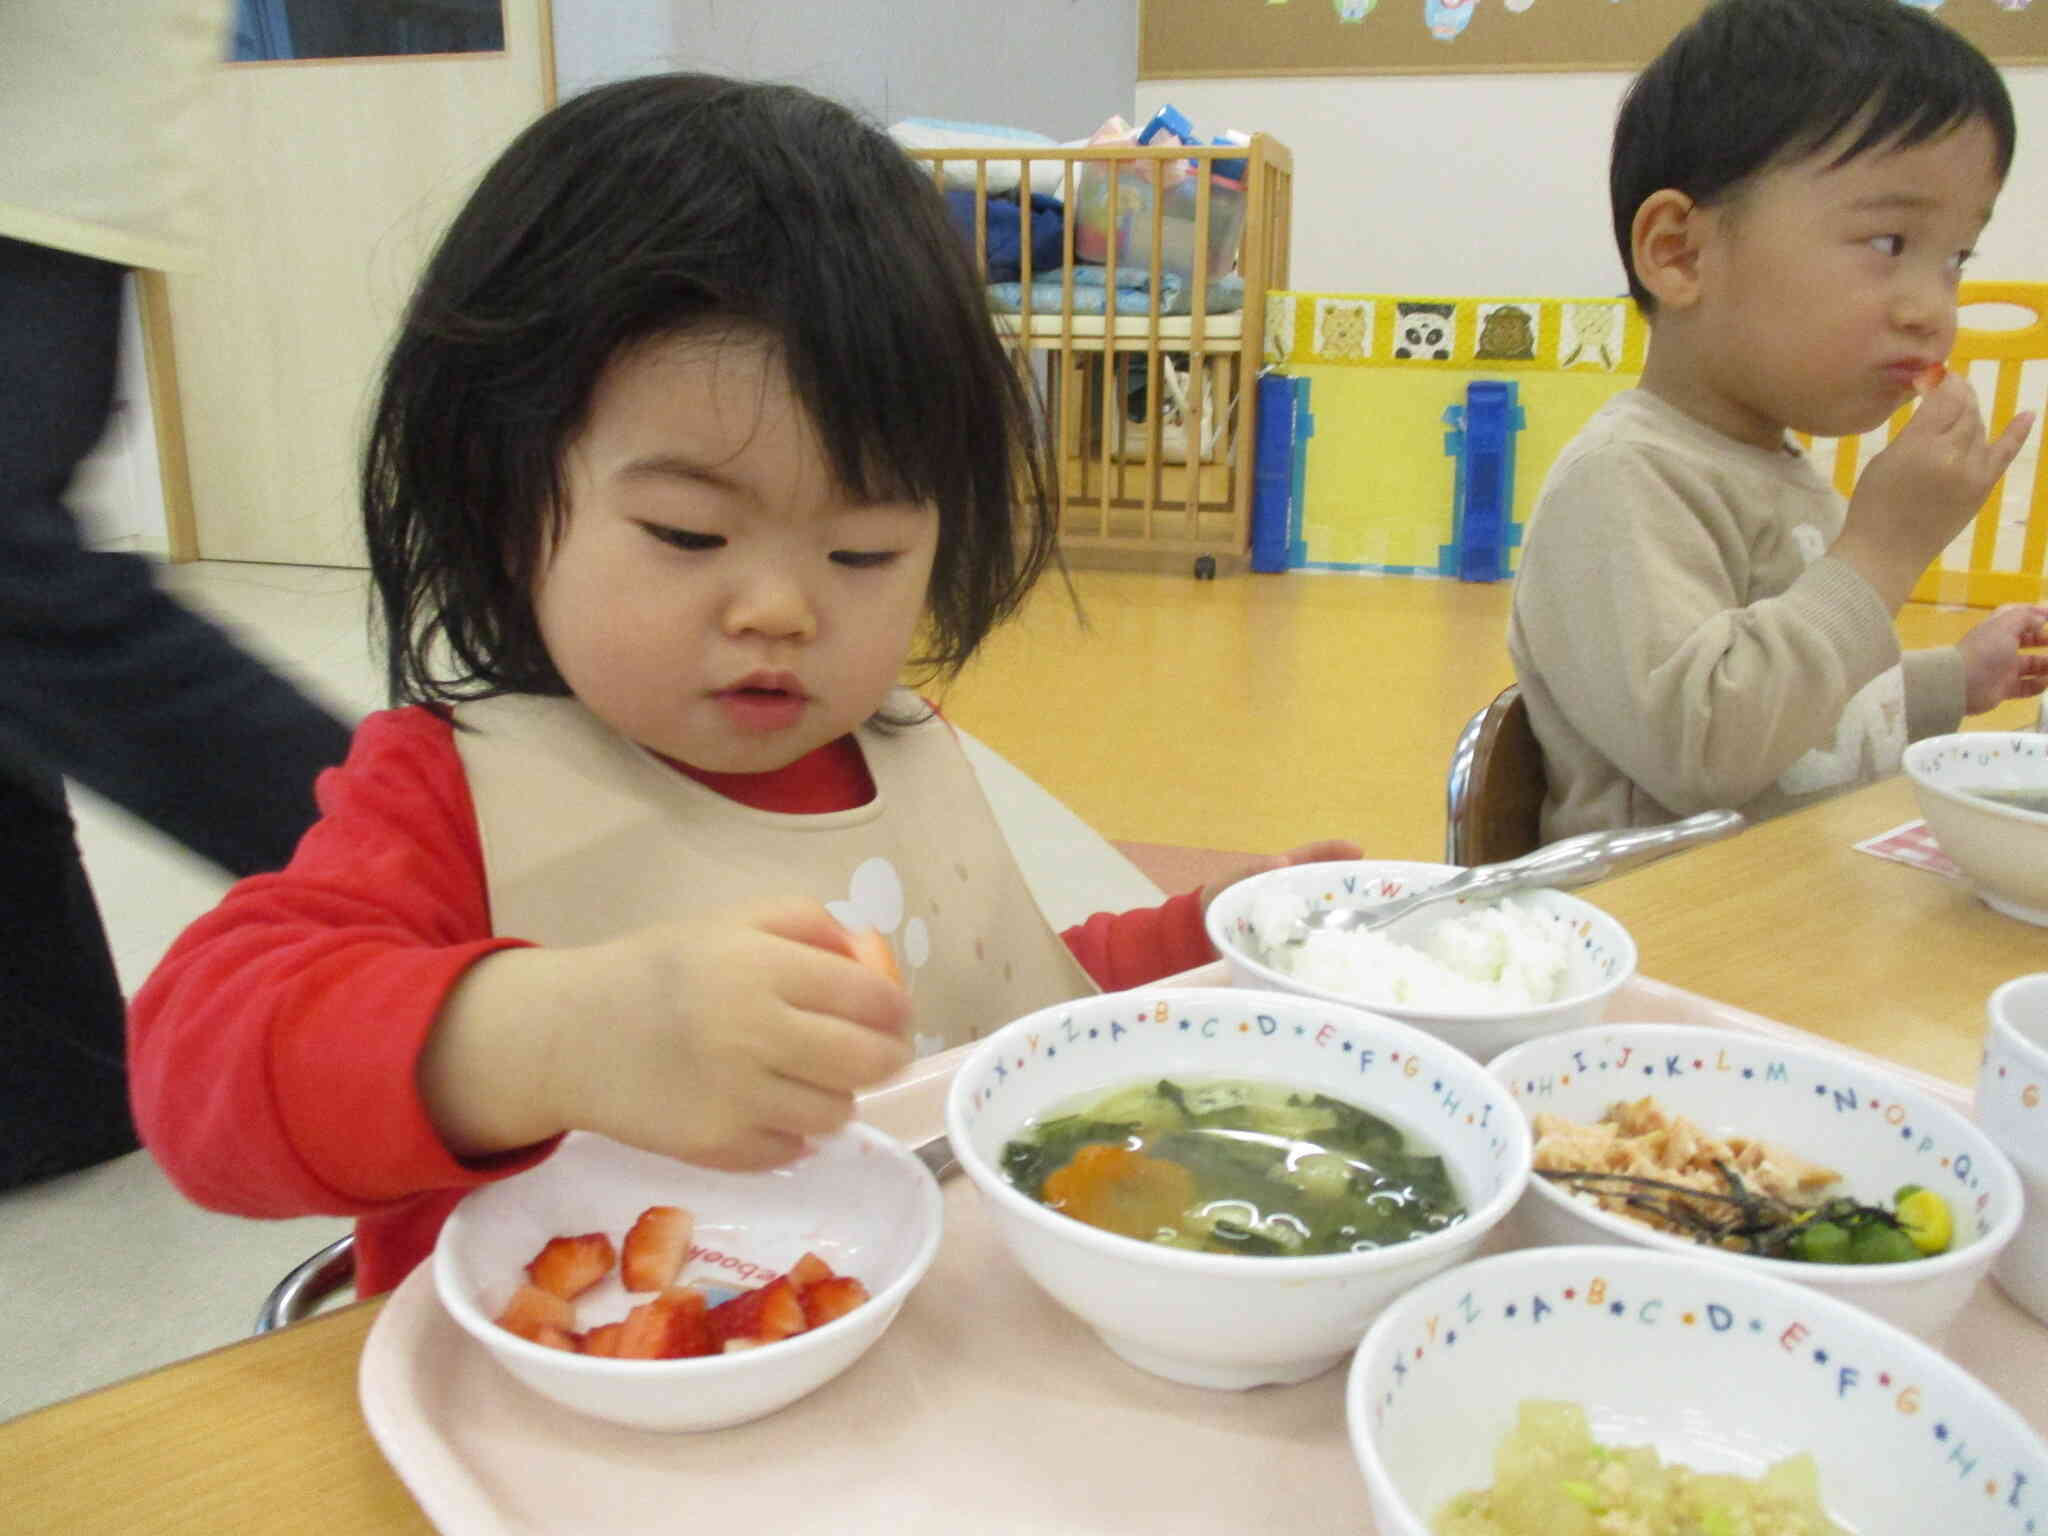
2012 1108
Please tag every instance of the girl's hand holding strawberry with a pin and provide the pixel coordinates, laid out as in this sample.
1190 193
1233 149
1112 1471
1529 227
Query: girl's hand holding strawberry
726 1041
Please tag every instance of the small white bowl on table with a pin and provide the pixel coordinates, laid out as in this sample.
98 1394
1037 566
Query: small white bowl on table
1723 1369
860 1200
2012 1107
1879 1131
1230 1321
2001 849
1602 955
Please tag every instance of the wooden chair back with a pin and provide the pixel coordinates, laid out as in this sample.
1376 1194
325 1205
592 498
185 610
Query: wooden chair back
1494 795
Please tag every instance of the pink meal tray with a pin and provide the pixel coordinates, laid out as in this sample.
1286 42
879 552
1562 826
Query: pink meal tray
986 1407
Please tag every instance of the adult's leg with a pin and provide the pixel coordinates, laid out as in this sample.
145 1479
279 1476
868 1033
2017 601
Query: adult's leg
107 680
104 677
64 1103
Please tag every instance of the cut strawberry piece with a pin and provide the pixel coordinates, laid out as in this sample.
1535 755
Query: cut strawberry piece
808 1271
654 1251
1927 378
832 1297
671 1327
569 1266
872 950
765 1315
532 1309
603 1340
559 1338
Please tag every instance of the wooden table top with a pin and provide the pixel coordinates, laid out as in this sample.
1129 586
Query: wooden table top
1787 920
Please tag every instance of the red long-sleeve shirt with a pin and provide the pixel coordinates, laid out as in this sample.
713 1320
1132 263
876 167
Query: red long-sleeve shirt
273 1052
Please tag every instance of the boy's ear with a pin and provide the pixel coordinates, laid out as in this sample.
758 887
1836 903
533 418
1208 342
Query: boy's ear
1665 239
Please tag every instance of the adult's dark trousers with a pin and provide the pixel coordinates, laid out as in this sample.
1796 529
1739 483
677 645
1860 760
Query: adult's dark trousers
107 680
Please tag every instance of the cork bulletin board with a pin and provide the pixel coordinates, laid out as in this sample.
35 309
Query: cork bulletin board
1196 38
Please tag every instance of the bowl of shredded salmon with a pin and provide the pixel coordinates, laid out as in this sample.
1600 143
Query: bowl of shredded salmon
1827 1169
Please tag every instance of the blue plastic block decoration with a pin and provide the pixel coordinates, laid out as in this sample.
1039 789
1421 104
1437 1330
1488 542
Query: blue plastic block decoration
1278 472
1482 441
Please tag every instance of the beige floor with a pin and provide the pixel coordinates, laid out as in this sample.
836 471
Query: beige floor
1259 712
1250 713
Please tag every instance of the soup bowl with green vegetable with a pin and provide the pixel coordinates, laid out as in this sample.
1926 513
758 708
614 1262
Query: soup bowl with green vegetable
1227 1184
1824 1168
1984 795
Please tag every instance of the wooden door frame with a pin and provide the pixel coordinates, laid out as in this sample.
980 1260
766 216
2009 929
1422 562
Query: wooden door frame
160 357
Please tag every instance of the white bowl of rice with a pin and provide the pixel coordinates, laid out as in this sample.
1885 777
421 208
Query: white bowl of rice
1481 975
1769 1109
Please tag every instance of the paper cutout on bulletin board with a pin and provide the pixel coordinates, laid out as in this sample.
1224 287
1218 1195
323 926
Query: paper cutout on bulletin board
1197 38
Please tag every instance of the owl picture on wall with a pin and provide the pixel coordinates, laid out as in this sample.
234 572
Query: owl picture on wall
1353 10
1343 328
1507 333
1424 330
1590 335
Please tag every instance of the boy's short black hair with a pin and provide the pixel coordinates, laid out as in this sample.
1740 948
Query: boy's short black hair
1754 83
665 206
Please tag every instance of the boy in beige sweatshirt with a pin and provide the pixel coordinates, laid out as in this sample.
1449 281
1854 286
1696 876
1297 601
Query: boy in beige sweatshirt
1699 619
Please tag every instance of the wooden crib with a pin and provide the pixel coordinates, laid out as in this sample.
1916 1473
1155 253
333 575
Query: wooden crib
1144 338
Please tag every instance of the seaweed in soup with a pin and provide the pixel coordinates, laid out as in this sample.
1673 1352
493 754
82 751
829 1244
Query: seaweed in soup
1266 1170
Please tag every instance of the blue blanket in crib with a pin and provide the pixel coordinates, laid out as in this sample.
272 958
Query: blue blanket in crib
1133 293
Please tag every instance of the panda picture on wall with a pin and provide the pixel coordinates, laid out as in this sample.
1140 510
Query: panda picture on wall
1425 330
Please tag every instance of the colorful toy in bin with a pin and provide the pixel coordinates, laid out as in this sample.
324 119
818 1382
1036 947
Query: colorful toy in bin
1175 184
1168 124
1482 440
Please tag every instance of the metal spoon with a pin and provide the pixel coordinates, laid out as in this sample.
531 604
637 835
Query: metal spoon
936 1153
1560 865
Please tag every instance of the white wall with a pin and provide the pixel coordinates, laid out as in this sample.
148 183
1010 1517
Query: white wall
1497 184
1449 184
1057 66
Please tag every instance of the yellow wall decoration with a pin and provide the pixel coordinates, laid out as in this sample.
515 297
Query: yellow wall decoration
1596 335
1379 488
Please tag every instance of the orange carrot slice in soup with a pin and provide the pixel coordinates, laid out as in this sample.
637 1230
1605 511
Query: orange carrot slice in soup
1121 1191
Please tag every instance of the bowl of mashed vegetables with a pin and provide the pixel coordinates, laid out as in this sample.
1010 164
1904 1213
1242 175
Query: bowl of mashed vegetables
1482 975
1587 1391
1226 1184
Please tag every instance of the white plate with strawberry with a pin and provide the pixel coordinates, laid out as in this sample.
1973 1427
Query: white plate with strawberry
660 1295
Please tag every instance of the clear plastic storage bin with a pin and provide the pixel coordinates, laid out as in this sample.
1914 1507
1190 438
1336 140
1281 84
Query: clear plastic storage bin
1136 191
